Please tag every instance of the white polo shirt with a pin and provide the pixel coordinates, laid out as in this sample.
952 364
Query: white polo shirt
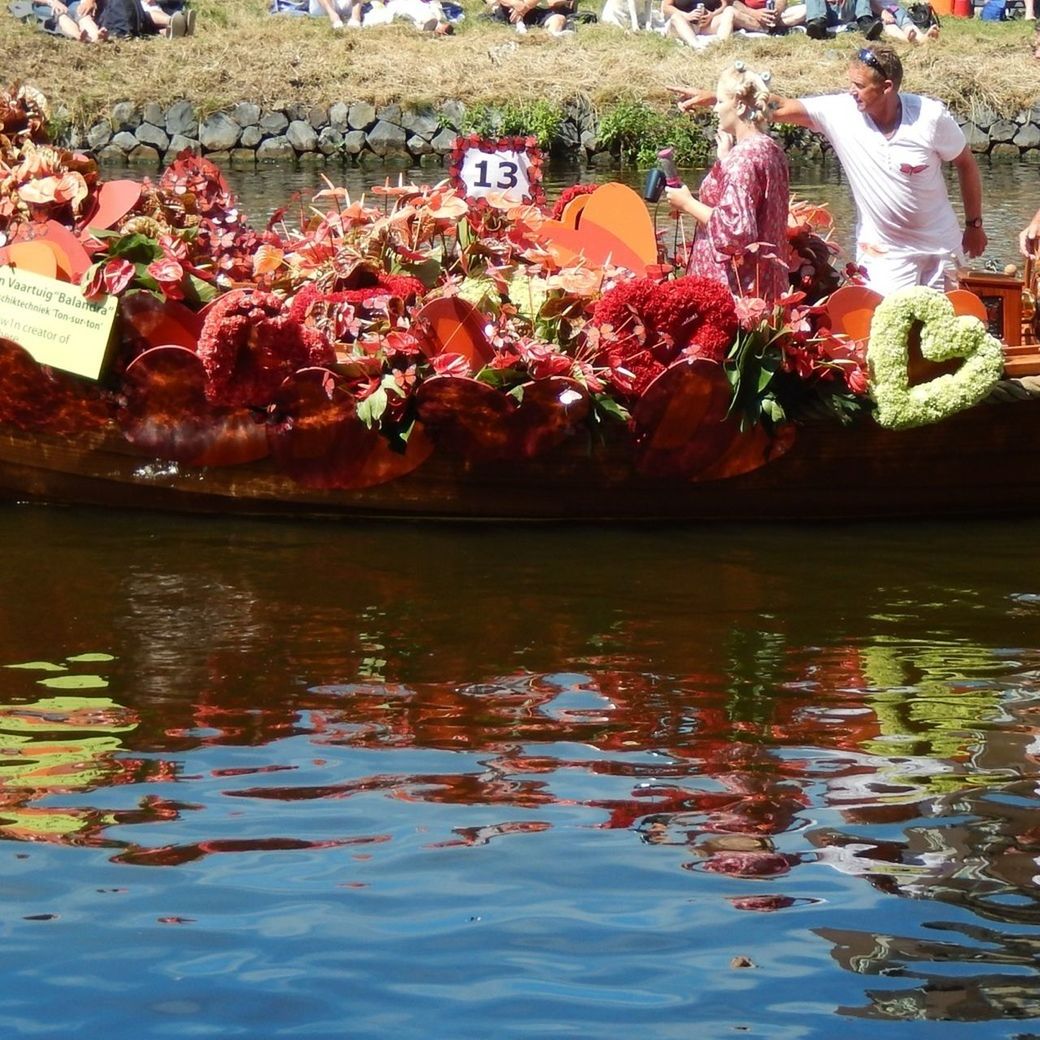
897 181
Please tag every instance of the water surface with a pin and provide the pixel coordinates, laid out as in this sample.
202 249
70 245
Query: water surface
284 780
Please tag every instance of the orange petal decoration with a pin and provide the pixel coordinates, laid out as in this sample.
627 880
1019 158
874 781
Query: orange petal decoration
851 310
457 327
71 256
167 414
40 257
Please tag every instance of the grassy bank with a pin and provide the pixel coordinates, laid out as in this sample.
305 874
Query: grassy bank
241 53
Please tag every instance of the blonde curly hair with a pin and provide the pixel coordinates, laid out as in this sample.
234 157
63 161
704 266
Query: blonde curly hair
749 88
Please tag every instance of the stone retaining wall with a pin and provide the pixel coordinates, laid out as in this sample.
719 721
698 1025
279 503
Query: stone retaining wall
359 133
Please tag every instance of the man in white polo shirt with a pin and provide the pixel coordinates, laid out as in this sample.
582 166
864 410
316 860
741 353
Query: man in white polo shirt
892 147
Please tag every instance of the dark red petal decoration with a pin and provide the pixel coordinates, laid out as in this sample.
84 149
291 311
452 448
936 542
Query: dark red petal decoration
167 414
318 440
550 412
682 428
457 327
36 398
147 321
467 417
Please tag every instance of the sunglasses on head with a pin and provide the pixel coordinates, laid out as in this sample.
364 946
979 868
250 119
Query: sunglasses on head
868 57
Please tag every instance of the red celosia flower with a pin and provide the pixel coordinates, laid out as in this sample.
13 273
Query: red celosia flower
249 345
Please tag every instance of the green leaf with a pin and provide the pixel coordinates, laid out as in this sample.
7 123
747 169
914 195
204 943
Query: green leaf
138 249
371 409
74 682
200 290
608 406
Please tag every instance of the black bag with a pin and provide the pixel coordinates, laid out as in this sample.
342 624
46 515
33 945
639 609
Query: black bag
124 18
922 15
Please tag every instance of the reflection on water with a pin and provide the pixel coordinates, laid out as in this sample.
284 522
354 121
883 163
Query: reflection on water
816 748
1010 194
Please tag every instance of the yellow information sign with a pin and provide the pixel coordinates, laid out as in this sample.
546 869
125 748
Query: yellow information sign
54 322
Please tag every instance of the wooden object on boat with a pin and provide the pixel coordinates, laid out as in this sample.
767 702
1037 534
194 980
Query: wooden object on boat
1001 294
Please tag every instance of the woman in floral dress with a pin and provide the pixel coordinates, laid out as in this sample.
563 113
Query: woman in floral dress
741 213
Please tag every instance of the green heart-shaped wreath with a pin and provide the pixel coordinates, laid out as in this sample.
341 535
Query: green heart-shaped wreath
945 335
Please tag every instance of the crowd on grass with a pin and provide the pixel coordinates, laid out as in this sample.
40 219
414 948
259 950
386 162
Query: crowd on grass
692 23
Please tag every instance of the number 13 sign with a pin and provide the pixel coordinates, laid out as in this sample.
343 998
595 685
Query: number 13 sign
511 167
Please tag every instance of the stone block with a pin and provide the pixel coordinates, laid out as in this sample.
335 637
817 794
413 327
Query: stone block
251 136
330 141
125 141
276 149
443 141
220 158
144 155
274 122
390 114
302 136
153 113
297 110
354 142
312 159
387 139
177 145
361 115
368 159
111 155
125 116
1003 130
1028 136
422 124
243 158
318 117
148 134
339 114
219 133
977 138
418 145
245 113
99 135
453 113
590 140
982 115
180 119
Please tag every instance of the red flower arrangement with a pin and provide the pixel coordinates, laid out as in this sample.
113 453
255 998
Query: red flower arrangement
645 325
250 344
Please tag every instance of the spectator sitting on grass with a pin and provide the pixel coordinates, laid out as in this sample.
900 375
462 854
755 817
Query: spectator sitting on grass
169 17
898 25
757 16
338 12
697 24
75 20
824 15
555 16
426 15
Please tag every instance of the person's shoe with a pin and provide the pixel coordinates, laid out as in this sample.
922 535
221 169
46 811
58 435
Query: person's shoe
872 28
178 26
816 29
189 22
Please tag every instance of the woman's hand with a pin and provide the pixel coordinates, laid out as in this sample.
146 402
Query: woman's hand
723 143
680 199
694 97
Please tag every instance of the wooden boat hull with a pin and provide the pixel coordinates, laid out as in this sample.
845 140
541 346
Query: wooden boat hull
982 462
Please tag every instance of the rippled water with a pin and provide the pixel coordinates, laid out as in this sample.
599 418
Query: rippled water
277 780
1011 194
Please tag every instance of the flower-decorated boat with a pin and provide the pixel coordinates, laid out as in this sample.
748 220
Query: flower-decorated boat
436 355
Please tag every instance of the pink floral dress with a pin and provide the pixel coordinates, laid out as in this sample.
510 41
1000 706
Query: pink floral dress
748 193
